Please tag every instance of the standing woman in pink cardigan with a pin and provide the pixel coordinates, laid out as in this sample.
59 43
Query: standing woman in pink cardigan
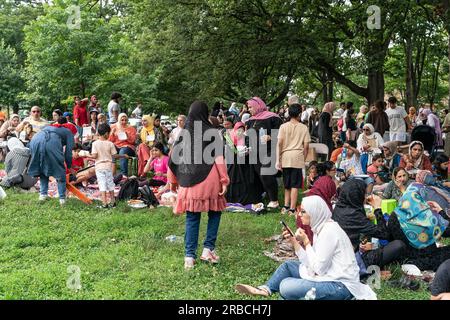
202 185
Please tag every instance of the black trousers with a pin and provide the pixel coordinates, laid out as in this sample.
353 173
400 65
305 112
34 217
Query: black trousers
269 182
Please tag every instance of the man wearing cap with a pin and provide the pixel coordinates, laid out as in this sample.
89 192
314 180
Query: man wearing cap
68 116
35 120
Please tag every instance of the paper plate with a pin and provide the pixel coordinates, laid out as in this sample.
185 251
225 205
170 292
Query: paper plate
138 206
411 270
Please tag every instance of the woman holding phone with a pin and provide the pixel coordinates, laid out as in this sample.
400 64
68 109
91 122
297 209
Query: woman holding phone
329 265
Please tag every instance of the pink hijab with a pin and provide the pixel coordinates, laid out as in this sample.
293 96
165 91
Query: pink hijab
262 112
233 134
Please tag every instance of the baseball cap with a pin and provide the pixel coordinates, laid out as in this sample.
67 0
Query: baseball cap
67 114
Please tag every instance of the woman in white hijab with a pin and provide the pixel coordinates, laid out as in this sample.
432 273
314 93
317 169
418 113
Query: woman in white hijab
326 270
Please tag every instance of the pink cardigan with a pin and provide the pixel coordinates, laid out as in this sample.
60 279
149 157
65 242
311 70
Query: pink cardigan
204 196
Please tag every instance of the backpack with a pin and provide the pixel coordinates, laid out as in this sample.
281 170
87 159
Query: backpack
148 196
129 190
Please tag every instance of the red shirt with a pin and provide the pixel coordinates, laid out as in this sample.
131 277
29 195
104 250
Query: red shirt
80 113
77 164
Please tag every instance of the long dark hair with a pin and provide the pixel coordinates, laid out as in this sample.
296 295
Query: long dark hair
440 159
322 168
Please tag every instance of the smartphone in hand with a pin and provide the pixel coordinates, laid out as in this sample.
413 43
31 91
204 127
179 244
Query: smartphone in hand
287 228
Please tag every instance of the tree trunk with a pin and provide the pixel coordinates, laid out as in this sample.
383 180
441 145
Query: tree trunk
330 88
323 80
448 31
375 86
409 73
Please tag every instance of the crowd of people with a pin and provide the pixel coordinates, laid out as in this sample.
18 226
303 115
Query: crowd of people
380 156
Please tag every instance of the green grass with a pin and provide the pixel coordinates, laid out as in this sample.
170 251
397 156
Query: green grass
123 254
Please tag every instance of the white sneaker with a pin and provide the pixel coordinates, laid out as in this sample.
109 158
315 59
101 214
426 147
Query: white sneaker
189 263
42 197
273 205
209 256
62 202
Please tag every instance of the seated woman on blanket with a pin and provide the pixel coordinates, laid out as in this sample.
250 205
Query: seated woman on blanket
391 157
415 159
328 265
350 214
432 189
369 144
159 164
441 168
398 185
440 287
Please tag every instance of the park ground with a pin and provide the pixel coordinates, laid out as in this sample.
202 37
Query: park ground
122 253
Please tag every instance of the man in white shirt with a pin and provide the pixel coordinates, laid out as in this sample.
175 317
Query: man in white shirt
114 107
181 120
138 111
398 121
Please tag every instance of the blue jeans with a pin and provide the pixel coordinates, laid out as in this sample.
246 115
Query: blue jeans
124 162
287 281
192 230
61 186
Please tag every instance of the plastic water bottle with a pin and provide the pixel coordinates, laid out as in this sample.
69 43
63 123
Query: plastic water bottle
173 238
375 243
262 132
344 153
311 294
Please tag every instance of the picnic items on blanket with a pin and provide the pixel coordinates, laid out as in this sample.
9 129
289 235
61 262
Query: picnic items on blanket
129 190
388 205
148 197
283 250
168 199
2 194
80 195
237 207
137 204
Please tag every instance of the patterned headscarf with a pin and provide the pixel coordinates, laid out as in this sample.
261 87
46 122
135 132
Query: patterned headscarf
421 226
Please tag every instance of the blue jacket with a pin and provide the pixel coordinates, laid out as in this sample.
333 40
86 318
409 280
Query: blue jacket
47 152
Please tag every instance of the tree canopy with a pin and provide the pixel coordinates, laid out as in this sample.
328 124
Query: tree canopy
167 53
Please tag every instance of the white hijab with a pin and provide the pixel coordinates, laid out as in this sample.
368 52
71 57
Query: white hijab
318 211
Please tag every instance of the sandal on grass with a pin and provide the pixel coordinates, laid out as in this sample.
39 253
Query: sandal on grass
246 289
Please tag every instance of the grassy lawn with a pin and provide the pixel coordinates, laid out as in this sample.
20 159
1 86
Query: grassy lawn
123 254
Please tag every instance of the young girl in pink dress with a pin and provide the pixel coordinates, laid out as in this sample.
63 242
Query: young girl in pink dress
202 186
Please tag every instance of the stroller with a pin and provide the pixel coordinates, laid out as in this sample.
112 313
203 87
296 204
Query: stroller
427 136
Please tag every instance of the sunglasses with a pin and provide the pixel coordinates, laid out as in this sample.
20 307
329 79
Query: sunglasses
366 129
35 111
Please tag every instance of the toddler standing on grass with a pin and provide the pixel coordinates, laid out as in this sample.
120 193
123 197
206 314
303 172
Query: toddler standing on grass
104 152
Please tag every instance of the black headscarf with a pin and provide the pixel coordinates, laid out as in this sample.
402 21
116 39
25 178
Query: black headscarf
349 212
190 174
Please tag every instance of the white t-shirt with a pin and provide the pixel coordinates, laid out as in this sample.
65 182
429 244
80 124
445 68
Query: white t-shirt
137 112
352 166
396 119
113 106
